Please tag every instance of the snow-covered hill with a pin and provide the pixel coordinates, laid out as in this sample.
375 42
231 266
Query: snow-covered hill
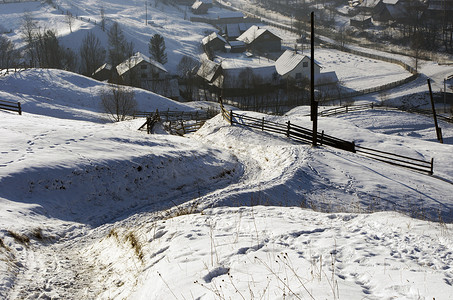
227 212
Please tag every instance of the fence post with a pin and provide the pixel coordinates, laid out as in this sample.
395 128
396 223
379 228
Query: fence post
262 125
231 117
432 166
322 136
20 108
288 129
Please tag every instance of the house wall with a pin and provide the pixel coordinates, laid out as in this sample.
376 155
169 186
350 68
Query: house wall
303 68
266 43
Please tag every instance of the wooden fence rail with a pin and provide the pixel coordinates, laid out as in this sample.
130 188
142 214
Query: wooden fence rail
11 106
305 135
398 160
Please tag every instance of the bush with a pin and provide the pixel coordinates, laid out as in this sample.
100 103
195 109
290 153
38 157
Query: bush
119 102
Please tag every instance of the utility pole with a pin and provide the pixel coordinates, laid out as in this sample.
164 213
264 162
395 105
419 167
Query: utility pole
438 129
313 103
146 9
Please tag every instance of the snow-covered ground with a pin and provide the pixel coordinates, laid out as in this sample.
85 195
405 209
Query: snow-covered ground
110 212
95 210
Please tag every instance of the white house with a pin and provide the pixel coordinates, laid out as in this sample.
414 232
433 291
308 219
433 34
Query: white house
294 65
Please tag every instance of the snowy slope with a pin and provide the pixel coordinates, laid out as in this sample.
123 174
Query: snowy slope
93 198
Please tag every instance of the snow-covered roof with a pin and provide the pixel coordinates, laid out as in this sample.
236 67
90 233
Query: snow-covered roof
326 78
197 4
252 34
208 69
211 37
288 61
230 14
237 44
105 66
233 30
135 60
391 2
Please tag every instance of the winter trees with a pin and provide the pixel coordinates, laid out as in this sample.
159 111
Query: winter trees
187 69
119 48
43 48
157 48
92 54
119 102
7 53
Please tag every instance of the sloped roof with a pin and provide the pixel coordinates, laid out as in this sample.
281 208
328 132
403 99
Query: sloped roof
288 61
253 33
326 78
208 70
105 66
233 30
134 60
211 37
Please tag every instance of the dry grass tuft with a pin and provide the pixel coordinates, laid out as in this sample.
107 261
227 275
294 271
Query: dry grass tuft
21 238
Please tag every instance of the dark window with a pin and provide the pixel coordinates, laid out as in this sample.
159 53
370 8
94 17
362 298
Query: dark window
305 64
143 67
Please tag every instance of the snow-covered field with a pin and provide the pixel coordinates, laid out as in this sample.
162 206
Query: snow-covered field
95 210
227 212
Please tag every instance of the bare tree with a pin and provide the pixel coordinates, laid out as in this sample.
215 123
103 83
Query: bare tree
7 53
92 53
28 29
69 20
119 102
187 69
102 18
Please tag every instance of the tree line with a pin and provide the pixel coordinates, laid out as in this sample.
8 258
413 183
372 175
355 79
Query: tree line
43 49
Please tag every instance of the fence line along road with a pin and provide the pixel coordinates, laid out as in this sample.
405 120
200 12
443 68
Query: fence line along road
304 135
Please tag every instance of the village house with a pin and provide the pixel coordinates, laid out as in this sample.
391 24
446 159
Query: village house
141 67
234 30
261 40
214 42
141 71
295 66
104 73
201 7
390 10
232 73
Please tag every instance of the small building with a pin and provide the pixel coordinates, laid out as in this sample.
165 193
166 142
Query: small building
230 17
214 42
235 47
295 66
210 71
292 65
234 30
361 23
390 10
104 72
142 68
261 40
201 7
141 71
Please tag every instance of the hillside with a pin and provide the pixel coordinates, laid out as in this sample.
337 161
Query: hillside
111 212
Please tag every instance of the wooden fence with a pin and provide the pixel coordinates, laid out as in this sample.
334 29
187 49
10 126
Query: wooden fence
176 122
305 135
292 131
11 106
398 160
345 109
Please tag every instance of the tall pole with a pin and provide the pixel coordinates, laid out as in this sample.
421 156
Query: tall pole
146 9
313 103
438 129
